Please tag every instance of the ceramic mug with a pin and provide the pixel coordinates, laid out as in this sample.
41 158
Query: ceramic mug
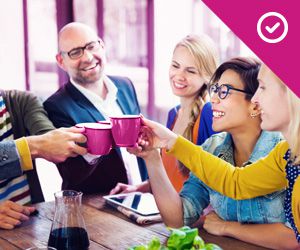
125 129
99 137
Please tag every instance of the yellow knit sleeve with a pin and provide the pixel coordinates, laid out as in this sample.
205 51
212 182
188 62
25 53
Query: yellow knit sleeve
262 177
24 152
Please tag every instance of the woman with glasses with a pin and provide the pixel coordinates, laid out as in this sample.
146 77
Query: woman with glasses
193 63
280 169
242 142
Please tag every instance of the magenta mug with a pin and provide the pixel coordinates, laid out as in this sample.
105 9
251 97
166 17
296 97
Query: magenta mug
107 122
99 137
125 129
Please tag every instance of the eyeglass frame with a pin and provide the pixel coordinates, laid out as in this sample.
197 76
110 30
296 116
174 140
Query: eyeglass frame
83 48
229 87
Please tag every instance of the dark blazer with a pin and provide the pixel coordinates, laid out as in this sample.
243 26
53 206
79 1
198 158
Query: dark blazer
67 107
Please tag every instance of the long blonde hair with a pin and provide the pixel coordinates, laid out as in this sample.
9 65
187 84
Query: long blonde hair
294 126
204 52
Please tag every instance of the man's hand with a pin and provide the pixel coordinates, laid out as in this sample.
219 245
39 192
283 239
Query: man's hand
12 214
57 145
214 224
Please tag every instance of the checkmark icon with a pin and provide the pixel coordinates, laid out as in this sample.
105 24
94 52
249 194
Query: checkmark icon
267 33
272 29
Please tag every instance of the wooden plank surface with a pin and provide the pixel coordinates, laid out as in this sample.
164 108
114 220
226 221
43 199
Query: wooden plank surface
107 229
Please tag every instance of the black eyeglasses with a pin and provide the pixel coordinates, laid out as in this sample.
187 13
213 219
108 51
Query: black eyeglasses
78 52
224 89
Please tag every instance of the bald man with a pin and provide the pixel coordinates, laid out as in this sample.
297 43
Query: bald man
91 96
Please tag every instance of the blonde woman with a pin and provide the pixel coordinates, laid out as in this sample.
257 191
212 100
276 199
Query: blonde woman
280 111
193 63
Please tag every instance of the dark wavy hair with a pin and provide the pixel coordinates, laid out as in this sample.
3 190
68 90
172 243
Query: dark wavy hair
246 67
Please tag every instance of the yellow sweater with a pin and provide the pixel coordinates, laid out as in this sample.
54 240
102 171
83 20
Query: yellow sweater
262 177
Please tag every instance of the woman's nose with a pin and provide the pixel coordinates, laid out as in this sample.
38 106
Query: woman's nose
214 98
180 75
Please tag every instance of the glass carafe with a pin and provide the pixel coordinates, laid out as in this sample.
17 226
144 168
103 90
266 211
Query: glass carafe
68 231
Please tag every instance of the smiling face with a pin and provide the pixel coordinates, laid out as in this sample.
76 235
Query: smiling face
88 68
232 113
185 79
273 101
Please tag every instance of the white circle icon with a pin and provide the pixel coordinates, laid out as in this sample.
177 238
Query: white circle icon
272 29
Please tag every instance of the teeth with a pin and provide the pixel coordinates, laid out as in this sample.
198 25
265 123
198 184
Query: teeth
91 67
179 86
218 114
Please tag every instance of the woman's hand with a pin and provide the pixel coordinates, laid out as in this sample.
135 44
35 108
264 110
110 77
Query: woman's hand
155 135
213 224
122 188
12 214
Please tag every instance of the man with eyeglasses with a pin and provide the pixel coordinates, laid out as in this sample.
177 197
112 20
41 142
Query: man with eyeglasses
91 96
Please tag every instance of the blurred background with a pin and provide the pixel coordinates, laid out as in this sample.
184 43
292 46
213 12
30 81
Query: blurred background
140 36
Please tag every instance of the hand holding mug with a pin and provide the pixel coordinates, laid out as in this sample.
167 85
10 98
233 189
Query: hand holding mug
154 135
99 137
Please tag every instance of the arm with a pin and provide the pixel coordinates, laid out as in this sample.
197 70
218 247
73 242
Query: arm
33 115
262 177
57 145
195 198
265 176
166 197
122 188
10 165
275 236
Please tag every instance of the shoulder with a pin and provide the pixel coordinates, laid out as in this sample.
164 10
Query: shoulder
61 95
278 153
124 85
206 116
206 109
19 97
121 81
265 143
171 116
282 147
18 94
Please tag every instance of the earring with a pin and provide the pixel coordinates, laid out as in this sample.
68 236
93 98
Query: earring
253 115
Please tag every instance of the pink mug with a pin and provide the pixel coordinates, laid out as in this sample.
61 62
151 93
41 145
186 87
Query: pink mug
99 137
125 129
107 122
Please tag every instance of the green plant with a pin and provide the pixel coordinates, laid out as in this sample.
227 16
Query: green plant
184 238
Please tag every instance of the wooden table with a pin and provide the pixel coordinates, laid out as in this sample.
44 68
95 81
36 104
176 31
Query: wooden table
107 228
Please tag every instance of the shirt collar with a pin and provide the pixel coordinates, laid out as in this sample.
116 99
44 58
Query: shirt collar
264 144
225 150
112 90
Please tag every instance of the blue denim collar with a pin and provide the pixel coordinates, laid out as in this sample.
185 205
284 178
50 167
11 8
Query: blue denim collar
225 150
264 144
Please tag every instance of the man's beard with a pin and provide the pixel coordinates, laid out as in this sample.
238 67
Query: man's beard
83 80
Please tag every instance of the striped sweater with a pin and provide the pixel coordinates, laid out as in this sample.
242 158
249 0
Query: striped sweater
14 189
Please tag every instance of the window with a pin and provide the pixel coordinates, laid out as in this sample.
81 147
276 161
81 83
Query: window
42 35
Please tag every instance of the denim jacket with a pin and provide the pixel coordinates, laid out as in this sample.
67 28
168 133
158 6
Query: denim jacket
196 196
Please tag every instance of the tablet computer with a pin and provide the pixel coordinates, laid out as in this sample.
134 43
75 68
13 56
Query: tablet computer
141 203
